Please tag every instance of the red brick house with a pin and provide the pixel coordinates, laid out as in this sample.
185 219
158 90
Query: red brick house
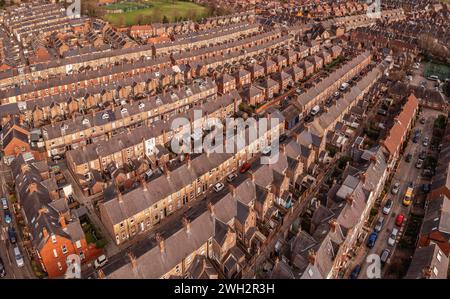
55 233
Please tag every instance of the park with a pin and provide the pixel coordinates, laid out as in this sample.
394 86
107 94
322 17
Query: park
153 11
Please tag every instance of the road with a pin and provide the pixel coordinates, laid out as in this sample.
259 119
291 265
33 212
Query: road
406 172
6 248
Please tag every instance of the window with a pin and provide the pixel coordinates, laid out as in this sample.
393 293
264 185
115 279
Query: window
55 253
59 266
439 256
177 268
435 271
78 244
64 249
53 238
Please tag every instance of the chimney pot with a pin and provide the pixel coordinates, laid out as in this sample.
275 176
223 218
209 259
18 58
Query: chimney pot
160 241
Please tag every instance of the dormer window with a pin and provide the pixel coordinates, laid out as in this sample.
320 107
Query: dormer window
105 116
141 106
85 121
53 238
124 110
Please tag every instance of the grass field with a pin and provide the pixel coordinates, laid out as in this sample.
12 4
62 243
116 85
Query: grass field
156 11
440 70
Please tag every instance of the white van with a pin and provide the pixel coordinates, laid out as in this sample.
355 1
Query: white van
344 86
433 78
18 257
315 110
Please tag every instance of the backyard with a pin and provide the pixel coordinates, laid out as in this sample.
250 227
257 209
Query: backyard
153 11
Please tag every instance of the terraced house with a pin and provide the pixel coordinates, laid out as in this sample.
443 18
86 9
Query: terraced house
127 214
89 128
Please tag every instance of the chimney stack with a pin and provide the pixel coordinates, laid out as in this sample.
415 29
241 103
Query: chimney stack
333 225
211 208
62 221
349 199
132 260
252 176
312 257
187 224
32 188
363 177
427 272
119 196
282 148
167 171
232 190
160 241
144 185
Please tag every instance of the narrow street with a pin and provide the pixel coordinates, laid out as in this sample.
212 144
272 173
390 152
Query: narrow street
406 172
6 248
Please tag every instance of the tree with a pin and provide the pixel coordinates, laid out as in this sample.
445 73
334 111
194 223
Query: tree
165 19
447 89
140 19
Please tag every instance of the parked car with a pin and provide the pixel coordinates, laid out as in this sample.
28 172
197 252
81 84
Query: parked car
4 203
384 256
231 177
408 158
419 164
423 155
426 188
395 188
218 187
399 219
8 217
283 137
393 236
245 167
426 141
2 269
308 119
372 239
18 256
415 139
379 224
266 151
12 235
388 206
100 261
355 272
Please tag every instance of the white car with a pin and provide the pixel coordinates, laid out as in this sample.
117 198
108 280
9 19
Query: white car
4 203
387 207
266 150
218 187
100 261
393 236
18 256
231 177
395 188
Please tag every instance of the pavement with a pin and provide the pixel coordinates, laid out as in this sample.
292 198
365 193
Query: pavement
6 248
406 172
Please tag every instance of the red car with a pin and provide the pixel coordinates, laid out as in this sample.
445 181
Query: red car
245 167
399 220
